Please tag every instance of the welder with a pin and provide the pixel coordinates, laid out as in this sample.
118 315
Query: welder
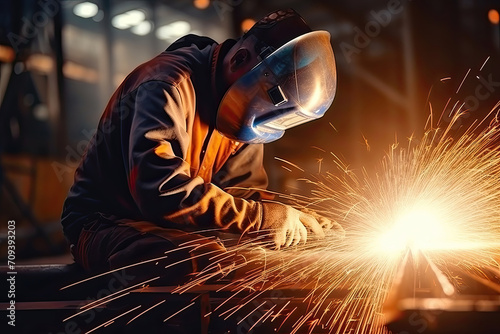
179 147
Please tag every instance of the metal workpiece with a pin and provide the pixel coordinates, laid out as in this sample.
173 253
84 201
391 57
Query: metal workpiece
426 299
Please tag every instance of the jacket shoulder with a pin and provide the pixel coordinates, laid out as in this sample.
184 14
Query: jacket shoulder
172 66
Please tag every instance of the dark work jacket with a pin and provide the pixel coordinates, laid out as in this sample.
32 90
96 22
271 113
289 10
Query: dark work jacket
156 156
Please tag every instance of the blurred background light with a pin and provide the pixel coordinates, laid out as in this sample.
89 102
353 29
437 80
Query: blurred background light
128 19
79 72
493 16
40 62
85 9
142 28
173 30
201 4
6 54
246 24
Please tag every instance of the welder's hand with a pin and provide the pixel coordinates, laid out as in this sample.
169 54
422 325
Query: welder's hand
330 227
288 226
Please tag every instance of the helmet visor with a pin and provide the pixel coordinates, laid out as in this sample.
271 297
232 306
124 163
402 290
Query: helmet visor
292 85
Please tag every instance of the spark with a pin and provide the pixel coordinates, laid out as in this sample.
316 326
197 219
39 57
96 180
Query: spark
289 163
444 109
243 319
318 148
120 294
319 161
463 80
109 322
453 109
368 148
83 310
437 195
268 314
280 311
112 271
147 310
289 314
488 58
182 309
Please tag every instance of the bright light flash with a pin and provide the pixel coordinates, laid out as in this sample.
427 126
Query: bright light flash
419 229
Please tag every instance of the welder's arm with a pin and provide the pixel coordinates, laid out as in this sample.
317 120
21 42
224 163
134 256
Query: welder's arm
160 178
165 192
243 175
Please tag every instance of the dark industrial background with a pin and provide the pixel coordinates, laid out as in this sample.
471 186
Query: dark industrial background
60 61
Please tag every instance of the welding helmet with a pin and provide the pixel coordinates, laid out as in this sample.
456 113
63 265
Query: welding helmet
291 85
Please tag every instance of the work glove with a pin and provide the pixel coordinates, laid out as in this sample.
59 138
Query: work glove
330 227
288 226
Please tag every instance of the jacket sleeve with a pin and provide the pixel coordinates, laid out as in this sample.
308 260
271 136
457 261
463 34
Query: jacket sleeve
160 180
243 175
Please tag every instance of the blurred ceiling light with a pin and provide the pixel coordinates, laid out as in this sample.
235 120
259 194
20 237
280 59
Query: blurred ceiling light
173 30
247 24
6 54
201 4
142 28
78 72
493 16
40 63
128 19
85 9
45 64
